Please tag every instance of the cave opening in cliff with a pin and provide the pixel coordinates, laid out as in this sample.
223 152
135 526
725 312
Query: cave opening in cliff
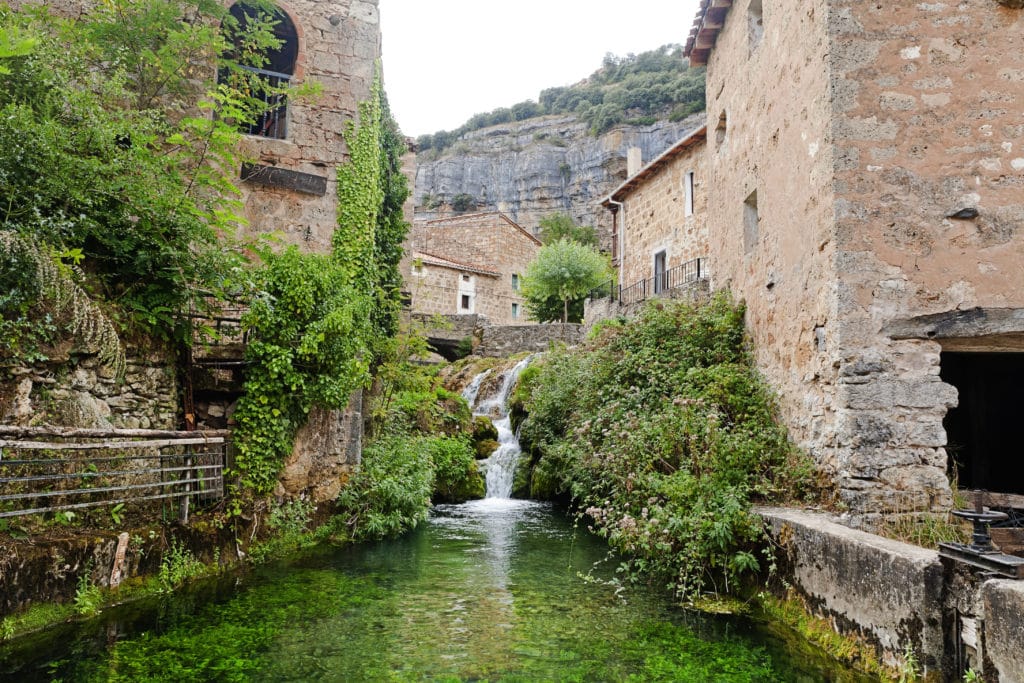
985 441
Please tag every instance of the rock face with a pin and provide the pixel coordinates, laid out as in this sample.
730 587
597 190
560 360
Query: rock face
531 169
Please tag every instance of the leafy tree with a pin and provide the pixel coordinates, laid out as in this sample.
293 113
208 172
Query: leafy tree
461 203
563 272
114 147
561 226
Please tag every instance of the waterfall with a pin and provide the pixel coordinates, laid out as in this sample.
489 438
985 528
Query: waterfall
500 468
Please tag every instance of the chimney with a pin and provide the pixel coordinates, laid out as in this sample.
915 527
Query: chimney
634 161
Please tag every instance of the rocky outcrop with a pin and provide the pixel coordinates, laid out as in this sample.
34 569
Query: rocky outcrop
531 169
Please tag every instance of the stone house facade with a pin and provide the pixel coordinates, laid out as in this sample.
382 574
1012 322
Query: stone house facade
469 264
290 187
865 197
659 215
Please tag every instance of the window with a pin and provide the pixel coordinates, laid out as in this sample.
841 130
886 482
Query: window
515 283
467 278
750 222
466 301
268 75
720 129
515 311
660 272
688 191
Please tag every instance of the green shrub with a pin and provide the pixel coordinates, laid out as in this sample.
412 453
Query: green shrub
391 492
178 566
456 477
663 434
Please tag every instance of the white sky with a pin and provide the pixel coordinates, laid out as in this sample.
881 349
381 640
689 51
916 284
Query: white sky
445 60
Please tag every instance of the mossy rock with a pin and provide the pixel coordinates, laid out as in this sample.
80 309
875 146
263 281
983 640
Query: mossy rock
484 429
470 487
521 480
484 448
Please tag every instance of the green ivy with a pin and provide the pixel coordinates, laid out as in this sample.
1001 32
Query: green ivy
317 321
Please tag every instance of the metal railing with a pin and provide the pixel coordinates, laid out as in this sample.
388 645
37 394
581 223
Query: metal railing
272 122
72 469
674 278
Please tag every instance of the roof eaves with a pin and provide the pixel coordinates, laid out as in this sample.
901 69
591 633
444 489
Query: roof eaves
434 260
706 27
694 138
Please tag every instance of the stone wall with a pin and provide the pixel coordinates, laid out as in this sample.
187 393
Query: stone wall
866 174
80 392
888 592
653 218
927 126
896 596
339 43
769 133
327 450
505 340
1003 603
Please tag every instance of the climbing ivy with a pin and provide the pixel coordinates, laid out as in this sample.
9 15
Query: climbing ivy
316 321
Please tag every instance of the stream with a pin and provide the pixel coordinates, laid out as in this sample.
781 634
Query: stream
491 590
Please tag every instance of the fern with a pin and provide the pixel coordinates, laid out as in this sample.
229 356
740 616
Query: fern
86 321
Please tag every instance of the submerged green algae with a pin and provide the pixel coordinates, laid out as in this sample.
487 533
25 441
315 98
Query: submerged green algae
488 591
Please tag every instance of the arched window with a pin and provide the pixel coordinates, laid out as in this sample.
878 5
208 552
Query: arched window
271 70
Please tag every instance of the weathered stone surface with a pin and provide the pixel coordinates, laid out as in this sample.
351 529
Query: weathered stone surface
326 451
505 340
887 591
1004 631
534 168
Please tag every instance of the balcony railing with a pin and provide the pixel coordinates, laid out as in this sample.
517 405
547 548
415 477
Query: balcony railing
674 278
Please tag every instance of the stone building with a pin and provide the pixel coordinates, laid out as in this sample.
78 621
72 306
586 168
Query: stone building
659 225
291 186
865 197
469 264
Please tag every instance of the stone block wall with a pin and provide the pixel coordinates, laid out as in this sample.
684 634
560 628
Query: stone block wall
654 218
927 126
888 592
80 392
1003 603
339 43
493 248
502 341
769 124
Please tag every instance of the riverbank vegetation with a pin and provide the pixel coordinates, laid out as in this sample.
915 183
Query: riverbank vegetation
661 433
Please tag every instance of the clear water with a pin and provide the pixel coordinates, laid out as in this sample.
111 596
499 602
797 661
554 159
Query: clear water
495 590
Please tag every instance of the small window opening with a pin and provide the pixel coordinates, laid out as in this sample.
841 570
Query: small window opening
465 278
723 124
465 302
983 431
755 24
750 222
515 282
515 310
660 272
268 74
688 193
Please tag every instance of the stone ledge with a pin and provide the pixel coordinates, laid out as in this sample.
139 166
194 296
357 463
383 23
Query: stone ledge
886 591
1004 630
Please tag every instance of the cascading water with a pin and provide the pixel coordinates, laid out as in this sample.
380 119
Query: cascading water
499 469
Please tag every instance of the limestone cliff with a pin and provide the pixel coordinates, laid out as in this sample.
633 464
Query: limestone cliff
533 168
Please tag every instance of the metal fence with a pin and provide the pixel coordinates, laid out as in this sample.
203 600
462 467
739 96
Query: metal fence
47 470
273 121
674 278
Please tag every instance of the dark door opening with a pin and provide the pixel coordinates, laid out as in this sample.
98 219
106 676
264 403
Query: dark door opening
986 430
